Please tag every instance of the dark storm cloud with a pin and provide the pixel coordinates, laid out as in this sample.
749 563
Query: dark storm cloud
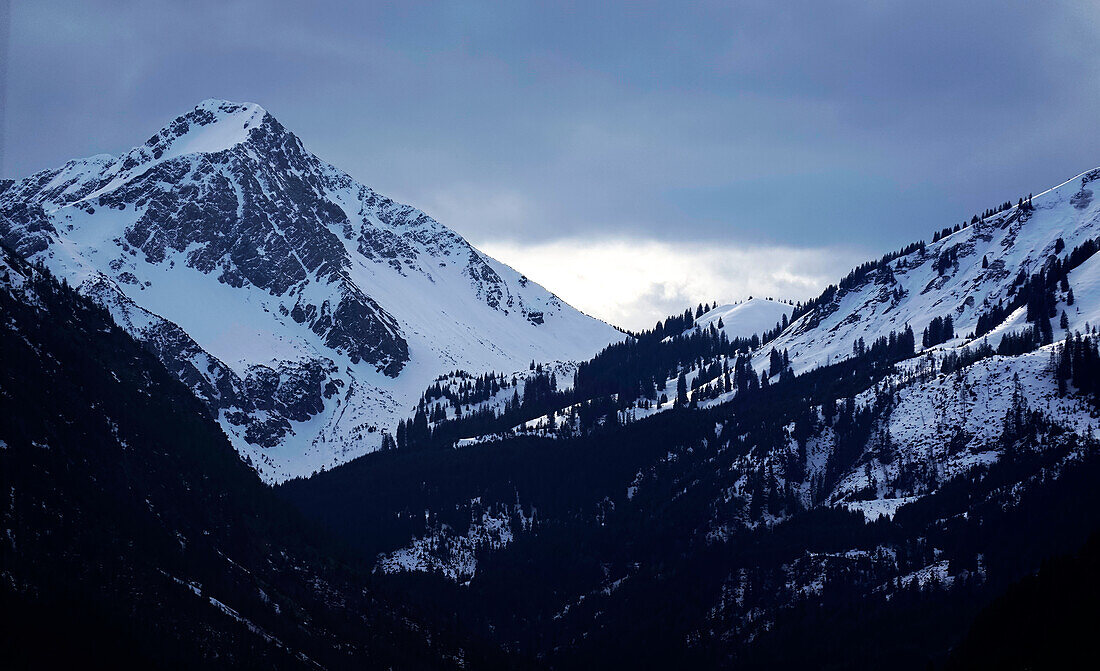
797 123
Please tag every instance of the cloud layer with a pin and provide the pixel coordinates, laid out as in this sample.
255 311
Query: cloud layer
803 122
633 283
751 127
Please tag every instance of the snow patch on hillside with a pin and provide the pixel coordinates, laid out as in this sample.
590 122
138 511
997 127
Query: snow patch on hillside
744 319
952 423
452 555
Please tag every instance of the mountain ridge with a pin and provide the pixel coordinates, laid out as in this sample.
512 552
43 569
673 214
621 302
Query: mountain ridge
886 461
345 304
846 486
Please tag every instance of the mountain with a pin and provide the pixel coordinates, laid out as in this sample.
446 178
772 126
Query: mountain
964 274
307 311
848 490
987 277
852 482
135 536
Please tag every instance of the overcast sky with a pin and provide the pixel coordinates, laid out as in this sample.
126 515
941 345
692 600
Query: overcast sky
633 157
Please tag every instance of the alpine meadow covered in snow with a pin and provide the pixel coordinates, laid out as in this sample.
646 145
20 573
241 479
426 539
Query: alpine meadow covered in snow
256 414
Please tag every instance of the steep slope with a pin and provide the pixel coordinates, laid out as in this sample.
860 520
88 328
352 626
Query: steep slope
844 496
134 535
981 272
306 310
740 537
962 275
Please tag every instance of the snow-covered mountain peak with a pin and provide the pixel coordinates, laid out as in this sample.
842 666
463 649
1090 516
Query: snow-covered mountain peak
214 125
222 108
307 310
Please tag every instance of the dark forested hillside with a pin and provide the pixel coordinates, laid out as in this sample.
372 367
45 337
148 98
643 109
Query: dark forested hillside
847 490
626 553
134 535
859 486
1041 622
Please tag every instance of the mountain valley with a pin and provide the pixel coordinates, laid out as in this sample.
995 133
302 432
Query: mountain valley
253 413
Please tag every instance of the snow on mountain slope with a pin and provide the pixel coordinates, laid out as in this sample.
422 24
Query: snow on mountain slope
962 276
1085 282
744 319
911 290
308 311
952 422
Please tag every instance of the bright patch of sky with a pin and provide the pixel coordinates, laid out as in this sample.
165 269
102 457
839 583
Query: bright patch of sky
627 282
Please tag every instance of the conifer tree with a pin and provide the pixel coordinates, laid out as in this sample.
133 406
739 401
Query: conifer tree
775 363
402 438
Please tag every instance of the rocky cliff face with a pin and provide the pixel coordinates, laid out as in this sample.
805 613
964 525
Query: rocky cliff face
306 310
